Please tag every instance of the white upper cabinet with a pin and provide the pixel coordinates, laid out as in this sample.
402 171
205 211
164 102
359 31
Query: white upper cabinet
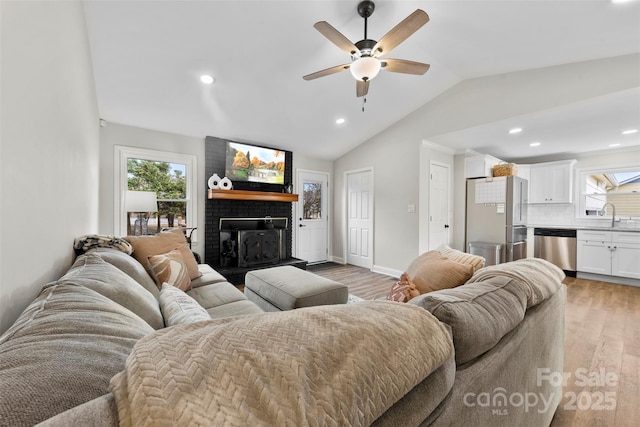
479 166
551 182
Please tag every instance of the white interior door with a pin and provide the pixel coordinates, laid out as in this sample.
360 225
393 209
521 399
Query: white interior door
313 225
360 218
439 211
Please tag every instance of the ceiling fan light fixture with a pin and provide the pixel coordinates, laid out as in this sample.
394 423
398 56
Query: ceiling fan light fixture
207 79
365 68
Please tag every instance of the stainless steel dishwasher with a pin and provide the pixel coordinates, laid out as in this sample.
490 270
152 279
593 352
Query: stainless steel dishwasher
558 246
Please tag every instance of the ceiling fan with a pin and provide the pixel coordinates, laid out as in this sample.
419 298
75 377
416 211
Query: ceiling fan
366 54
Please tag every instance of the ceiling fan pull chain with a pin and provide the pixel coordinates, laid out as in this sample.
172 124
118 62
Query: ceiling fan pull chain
364 101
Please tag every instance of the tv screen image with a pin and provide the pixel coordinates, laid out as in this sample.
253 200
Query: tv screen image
256 164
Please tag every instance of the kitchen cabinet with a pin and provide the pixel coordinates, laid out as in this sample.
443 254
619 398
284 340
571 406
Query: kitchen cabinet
480 165
594 252
551 182
626 258
611 253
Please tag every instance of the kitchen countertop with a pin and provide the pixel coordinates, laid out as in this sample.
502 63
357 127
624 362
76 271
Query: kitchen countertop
586 227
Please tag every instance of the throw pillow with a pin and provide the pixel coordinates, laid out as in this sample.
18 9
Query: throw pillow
403 290
169 268
463 258
161 243
432 271
178 308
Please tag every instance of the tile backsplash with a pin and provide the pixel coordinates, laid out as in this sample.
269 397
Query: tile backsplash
564 214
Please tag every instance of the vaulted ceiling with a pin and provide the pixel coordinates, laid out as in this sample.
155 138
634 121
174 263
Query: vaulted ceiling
148 57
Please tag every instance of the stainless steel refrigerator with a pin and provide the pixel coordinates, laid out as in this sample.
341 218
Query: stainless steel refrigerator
496 218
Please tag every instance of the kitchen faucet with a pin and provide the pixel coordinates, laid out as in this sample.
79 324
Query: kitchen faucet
613 217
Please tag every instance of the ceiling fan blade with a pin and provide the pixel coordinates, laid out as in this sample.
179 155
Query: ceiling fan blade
336 37
401 32
327 72
362 88
404 66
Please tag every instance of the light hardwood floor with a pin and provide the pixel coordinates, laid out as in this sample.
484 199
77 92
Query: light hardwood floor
602 336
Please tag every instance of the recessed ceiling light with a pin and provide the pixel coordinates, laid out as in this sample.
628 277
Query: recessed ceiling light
534 144
515 130
629 131
617 144
340 121
620 1
207 79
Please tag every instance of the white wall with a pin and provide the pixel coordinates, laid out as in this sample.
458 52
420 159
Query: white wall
394 153
49 146
116 134
394 156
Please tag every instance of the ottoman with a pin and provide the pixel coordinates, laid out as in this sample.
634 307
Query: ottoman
287 287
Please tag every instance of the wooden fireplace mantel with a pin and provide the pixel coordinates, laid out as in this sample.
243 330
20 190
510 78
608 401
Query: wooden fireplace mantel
252 195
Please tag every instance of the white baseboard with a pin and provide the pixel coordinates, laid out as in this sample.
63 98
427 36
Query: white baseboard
387 271
337 259
610 279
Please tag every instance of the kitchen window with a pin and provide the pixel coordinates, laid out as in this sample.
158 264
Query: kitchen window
619 186
170 175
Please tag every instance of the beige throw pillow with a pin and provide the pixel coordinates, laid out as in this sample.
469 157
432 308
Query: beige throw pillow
161 243
463 258
169 268
178 308
432 271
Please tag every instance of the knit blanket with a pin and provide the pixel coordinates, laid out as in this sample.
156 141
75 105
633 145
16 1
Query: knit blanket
87 242
328 365
540 278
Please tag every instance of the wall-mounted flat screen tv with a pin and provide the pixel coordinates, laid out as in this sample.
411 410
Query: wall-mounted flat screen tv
253 163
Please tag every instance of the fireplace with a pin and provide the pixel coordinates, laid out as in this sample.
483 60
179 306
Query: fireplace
258 247
252 242
226 218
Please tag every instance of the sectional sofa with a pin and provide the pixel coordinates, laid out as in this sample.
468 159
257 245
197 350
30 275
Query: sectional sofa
492 344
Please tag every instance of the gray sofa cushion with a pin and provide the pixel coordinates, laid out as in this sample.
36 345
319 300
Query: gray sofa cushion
62 351
222 299
209 276
236 308
479 314
130 266
93 272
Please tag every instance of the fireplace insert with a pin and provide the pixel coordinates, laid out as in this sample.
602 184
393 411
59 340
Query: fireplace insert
258 247
248 242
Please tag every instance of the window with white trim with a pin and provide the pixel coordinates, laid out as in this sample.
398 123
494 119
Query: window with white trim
170 175
601 188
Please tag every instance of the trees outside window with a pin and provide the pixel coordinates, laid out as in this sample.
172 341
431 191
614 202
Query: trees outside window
168 181
172 176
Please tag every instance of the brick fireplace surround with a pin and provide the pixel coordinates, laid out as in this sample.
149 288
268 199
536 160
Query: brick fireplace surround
220 208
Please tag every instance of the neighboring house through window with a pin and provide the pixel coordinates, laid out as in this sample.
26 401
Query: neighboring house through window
619 187
170 175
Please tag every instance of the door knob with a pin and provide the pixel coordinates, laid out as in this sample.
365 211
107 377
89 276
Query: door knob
446 226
